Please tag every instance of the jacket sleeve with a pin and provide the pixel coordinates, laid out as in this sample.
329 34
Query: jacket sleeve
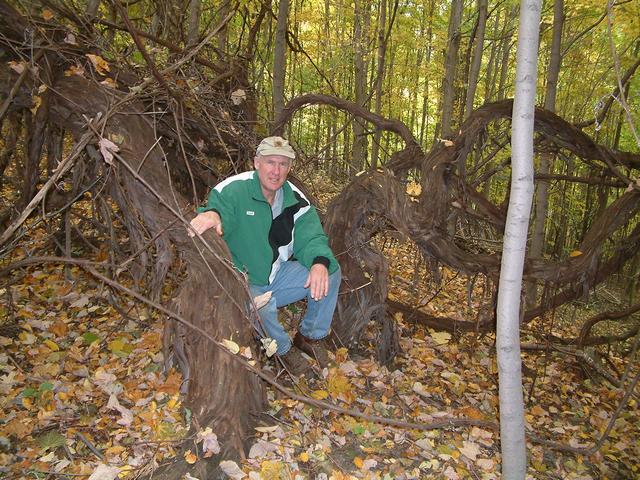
310 243
219 201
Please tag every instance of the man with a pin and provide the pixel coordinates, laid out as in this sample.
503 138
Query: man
275 237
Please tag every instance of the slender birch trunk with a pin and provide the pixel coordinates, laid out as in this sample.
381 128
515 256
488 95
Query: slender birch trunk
512 438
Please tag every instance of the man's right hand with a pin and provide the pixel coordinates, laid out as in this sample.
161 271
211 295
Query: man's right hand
204 221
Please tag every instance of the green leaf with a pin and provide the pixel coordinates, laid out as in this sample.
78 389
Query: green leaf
29 392
51 440
90 337
46 386
358 429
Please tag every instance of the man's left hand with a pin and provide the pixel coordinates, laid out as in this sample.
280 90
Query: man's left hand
318 281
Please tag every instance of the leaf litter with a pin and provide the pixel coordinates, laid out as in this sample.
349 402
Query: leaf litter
84 393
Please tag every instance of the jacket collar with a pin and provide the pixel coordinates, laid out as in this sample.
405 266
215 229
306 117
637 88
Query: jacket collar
256 192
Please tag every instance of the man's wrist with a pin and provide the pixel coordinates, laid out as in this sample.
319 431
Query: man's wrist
320 260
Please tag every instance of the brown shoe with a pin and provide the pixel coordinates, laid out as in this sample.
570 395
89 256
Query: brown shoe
294 361
314 348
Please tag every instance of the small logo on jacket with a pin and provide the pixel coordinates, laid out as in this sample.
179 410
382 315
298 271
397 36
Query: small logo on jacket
251 213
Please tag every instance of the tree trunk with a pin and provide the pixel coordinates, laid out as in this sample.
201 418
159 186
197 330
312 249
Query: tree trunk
360 83
450 63
546 159
280 58
512 438
193 27
506 52
425 99
474 71
92 8
382 52
224 9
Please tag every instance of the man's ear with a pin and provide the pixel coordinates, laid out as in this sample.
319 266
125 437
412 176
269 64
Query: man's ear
255 162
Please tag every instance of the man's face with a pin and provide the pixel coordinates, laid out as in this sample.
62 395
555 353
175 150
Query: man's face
272 171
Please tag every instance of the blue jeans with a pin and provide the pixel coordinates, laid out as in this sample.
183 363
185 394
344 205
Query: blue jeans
288 287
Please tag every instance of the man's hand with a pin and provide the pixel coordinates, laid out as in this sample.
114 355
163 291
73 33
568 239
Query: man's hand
204 221
318 281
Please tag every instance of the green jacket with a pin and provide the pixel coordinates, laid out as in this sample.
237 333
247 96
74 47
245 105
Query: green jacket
260 244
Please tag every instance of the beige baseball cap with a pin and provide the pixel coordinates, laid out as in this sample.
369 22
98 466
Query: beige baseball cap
276 146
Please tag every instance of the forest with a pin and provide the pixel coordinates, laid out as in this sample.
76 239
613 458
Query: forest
128 347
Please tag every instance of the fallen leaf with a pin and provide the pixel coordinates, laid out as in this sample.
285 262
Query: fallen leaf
210 445
441 338
238 96
232 470
538 411
575 253
70 38
270 346
104 472
451 474
470 450
17 67
189 457
107 149
99 63
261 300
127 415
230 345
486 464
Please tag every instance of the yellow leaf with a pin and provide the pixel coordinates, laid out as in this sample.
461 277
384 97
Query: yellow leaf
125 470
53 346
27 338
232 346
47 14
116 345
441 338
99 63
173 402
575 253
338 386
358 462
109 82
36 103
74 70
320 394
189 457
273 469
303 457
114 451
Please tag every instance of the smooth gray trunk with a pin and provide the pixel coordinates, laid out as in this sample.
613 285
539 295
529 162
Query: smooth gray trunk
512 438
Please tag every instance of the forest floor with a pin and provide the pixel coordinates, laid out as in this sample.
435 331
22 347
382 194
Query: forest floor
82 391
